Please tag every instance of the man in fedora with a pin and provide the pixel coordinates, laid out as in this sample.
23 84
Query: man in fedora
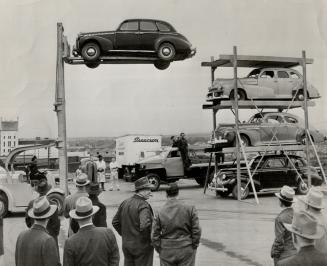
53 225
91 246
176 232
133 221
35 246
305 231
313 204
283 245
81 183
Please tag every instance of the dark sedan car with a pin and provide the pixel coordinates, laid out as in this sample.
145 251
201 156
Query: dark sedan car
269 173
136 37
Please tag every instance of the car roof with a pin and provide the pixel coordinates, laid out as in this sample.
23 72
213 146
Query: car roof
149 19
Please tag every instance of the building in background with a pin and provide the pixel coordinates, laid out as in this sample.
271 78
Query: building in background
8 136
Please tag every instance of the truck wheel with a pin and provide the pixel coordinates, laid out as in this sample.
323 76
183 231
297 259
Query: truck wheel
200 181
244 191
57 199
3 205
154 180
91 51
223 194
302 187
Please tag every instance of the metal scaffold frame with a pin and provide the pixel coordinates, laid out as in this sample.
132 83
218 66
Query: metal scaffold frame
236 61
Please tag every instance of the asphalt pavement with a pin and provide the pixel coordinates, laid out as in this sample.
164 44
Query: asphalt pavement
233 232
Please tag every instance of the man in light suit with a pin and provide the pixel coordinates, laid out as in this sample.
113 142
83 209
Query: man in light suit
35 247
91 246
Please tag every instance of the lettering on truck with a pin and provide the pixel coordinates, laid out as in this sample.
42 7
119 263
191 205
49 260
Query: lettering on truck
138 139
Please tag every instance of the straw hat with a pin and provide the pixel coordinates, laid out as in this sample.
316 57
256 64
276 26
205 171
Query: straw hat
142 183
41 209
313 198
84 209
82 180
305 225
286 194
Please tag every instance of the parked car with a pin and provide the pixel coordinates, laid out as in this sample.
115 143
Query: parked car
15 174
272 172
260 129
137 37
263 83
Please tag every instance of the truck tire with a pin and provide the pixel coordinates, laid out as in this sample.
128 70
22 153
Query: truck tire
244 191
154 180
57 199
200 181
3 205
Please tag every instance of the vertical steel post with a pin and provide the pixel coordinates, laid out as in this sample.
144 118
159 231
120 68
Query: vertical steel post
305 107
238 158
60 109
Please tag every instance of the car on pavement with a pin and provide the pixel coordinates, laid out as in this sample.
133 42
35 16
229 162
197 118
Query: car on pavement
269 128
135 37
269 172
261 84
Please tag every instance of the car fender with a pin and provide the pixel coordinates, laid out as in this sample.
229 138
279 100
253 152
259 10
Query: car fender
253 134
104 43
9 195
178 43
56 190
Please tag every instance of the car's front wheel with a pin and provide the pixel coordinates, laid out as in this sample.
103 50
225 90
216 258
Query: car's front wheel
154 180
161 65
303 187
166 51
241 95
3 205
91 51
244 191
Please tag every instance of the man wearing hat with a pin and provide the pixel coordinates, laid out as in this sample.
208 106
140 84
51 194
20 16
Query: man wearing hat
305 231
35 246
133 221
91 246
81 183
283 245
313 204
53 225
176 232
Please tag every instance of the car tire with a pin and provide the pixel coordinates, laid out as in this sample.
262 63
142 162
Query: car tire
300 95
223 194
244 191
303 140
57 199
161 65
154 180
3 205
200 180
92 65
91 51
302 187
241 95
166 51
245 141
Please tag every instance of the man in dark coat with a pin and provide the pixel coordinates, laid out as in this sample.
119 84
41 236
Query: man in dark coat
90 246
35 246
305 230
183 147
53 226
176 232
283 245
133 221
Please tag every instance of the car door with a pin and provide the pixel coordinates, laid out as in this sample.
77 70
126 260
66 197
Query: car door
273 173
293 169
269 126
293 127
127 36
285 84
174 164
267 79
148 35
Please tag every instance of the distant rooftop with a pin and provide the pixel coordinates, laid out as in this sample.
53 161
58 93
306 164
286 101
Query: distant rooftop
9 126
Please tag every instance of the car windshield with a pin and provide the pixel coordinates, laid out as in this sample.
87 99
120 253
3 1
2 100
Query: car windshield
254 73
256 119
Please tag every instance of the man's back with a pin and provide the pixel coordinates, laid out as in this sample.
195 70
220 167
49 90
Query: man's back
35 247
70 201
92 246
307 256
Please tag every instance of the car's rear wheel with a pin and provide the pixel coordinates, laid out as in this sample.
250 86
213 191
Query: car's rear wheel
303 139
303 187
166 51
91 51
240 93
300 95
161 65
3 205
154 180
244 191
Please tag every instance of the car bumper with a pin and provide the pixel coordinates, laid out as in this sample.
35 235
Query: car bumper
216 95
192 53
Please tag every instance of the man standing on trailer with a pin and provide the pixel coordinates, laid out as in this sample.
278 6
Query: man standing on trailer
183 147
133 221
101 167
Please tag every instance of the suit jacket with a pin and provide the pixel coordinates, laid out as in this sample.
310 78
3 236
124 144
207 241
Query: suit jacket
176 225
307 256
91 246
133 221
35 247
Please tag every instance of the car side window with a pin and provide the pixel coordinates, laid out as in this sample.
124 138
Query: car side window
163 27
174 154
148 26
275 163
267 74
294 75
129 25
290 120
274 119
282 75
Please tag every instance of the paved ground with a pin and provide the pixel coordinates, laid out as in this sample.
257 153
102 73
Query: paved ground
233 233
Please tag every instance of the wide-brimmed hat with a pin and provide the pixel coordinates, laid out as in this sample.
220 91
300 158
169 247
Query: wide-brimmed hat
94 189
305 225
142 183
84 209
82 180
41 209
43 187
286 194
313 198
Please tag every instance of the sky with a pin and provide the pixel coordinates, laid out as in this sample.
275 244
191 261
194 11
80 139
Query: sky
114 100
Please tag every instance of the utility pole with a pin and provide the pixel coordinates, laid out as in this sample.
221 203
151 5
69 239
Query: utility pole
60 109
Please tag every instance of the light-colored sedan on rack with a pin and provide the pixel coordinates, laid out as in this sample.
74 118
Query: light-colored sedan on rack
269 128
263 83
